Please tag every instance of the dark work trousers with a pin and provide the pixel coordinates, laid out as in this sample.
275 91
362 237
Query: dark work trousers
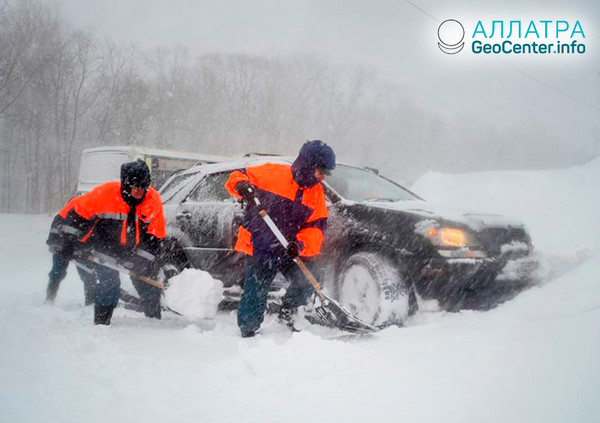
150 296
60 263
107 292
259 275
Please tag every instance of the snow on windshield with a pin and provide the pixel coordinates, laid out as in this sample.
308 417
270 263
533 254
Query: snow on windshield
361 185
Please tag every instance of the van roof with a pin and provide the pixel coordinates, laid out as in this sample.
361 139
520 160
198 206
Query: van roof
156 152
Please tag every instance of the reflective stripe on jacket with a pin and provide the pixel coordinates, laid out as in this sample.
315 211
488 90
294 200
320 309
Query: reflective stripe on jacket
61 223
300 213
104 208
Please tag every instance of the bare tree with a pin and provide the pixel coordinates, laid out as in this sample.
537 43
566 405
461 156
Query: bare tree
174 97
61 91
121 113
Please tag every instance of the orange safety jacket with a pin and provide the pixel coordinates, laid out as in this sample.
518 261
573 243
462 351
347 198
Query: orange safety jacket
101 215
60 223
299 213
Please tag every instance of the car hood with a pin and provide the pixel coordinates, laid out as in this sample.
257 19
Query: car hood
427 210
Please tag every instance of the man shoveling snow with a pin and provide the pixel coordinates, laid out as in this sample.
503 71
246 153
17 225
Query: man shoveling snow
123 220
293 196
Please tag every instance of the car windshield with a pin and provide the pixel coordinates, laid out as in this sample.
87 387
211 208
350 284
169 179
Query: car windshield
176 185
357 184
170 183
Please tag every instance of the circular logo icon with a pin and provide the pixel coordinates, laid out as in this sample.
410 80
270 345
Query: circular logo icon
451 34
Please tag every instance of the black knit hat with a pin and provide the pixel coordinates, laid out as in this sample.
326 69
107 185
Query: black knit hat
135 174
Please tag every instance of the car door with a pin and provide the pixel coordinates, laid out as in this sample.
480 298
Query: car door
210 218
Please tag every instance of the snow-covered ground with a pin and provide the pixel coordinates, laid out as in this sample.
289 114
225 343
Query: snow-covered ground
533 359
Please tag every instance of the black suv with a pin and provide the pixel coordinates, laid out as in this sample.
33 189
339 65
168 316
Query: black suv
385 247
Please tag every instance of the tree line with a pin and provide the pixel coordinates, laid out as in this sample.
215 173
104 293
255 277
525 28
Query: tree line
63 89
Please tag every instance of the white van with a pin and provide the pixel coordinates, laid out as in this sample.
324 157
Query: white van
103 164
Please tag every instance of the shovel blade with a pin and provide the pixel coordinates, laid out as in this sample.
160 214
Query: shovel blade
333 314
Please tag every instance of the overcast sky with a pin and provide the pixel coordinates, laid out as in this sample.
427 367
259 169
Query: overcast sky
557 92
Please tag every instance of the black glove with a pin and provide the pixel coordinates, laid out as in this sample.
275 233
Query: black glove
246 190
141 262
293 249
55 248
82 251
60 243
170 270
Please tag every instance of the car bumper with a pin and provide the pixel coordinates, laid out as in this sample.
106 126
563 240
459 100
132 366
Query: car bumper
475 283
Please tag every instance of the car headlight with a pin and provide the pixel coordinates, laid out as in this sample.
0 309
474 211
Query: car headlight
455 243
450 237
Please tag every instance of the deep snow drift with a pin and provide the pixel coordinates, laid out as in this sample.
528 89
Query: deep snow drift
560 207
533 359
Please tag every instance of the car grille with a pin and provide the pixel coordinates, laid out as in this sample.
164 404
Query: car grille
494 238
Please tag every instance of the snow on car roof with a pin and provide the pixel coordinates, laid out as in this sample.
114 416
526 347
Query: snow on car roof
251 160
236 164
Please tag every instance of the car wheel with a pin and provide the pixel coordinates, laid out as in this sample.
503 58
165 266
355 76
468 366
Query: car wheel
371 287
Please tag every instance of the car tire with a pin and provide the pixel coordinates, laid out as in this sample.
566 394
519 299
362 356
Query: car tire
371 287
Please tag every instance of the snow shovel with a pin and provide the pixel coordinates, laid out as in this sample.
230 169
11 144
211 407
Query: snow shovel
329 310
112 263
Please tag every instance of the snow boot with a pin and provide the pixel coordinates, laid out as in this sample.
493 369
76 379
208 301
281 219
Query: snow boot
248 334
88 276
89 293
51 291
286 318
102 315
152 310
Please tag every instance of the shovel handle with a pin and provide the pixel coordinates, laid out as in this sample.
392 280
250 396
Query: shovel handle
263 213
113 265
311 278
148 280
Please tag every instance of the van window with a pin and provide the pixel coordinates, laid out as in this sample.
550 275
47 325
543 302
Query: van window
102 166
